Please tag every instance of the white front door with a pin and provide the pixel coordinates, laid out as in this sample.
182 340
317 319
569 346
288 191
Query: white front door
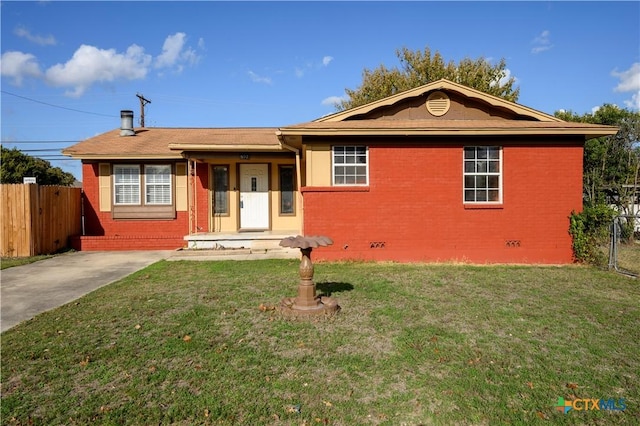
254 196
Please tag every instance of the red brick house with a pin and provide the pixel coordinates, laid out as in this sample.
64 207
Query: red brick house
438 173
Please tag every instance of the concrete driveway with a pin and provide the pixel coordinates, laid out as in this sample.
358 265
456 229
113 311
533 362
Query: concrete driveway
28 290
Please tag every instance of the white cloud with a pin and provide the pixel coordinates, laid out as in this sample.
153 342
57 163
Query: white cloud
629 82
629 79
542 42
506 75
634 102
259 79
333 100
311 66
175 54
42 41
90 65
18 66
171 50
540 49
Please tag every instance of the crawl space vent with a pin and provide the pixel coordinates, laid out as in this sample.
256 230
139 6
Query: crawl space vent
438 104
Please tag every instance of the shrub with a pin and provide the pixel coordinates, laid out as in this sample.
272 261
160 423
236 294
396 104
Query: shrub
589 230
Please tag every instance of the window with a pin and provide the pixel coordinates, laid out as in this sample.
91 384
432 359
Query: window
220 190
143 192
157 184
482 174
287 185
350 165
127 184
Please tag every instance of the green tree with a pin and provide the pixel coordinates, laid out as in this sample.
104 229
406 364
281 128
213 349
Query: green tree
612 163
16 165
611 166
421 67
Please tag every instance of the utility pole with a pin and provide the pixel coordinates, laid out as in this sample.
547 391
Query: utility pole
143 102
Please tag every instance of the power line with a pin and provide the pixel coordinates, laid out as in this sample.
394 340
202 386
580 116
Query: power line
54 157
56 106
41 150
21 142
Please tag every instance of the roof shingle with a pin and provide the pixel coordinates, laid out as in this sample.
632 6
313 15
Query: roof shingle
154 142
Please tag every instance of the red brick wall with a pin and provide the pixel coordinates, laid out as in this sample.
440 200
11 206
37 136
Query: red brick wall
202 201
413 208
102 232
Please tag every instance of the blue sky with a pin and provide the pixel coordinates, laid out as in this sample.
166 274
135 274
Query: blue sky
68 68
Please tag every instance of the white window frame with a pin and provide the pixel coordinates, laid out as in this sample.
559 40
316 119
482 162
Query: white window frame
479 172
334 165
165 185
117 185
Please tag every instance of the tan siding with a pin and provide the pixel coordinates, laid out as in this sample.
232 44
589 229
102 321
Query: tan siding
181 187
104 181
319 165
283 222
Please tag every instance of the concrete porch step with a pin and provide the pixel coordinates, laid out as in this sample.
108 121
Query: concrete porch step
236 246
262 240
234 254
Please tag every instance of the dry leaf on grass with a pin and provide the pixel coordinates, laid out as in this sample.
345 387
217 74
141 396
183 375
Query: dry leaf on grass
265 308
542 415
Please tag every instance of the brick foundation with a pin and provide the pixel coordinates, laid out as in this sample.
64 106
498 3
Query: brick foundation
131 242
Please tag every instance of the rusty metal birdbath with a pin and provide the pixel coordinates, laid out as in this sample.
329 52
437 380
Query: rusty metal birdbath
307 302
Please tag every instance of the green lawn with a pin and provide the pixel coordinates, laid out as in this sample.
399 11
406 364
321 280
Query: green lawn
187 343
10 262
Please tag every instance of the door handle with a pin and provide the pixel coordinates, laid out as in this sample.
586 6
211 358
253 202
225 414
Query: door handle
241 204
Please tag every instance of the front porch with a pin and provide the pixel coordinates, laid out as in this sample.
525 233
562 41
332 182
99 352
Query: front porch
238 245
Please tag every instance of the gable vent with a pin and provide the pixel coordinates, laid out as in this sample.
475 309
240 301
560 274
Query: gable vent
438 104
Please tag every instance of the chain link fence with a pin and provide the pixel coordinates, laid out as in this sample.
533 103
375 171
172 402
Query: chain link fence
624 245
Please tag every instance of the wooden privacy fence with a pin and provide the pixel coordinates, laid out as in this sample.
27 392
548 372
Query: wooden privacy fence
39 219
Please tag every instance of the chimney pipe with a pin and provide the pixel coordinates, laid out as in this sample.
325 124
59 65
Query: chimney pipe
126 123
